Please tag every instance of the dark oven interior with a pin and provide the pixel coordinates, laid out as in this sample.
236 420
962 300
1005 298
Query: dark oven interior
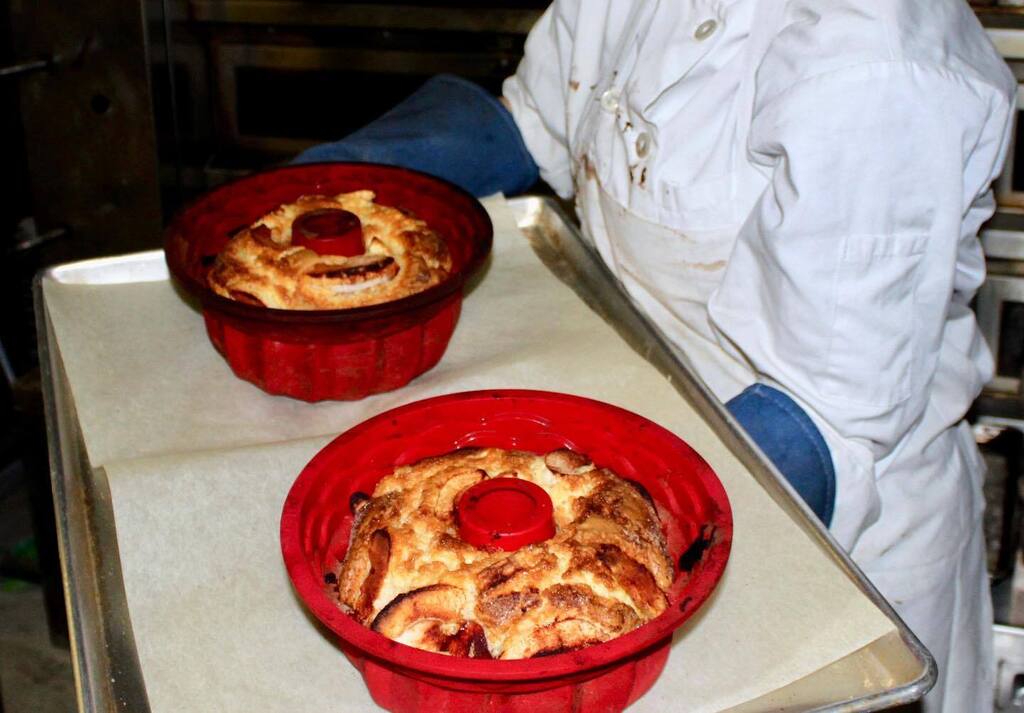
255 82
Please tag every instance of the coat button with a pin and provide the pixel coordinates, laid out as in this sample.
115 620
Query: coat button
705 29
643 144
610 100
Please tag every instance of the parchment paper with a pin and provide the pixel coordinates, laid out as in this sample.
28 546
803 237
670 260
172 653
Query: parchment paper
199 464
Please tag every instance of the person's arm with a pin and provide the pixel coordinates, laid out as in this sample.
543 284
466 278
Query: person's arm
843 279
791 441
538 93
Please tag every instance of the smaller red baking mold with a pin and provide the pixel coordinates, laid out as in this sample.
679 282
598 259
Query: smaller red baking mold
690 501
340 354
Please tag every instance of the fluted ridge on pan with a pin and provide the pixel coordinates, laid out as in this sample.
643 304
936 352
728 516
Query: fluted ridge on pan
314 371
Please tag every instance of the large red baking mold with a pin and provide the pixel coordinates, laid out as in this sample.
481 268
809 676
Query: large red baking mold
691 503
329 354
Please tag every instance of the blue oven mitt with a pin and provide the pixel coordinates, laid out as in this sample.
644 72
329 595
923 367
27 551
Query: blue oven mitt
449 128
791 441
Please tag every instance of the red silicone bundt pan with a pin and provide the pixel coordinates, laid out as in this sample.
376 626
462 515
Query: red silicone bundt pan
329 354
691 503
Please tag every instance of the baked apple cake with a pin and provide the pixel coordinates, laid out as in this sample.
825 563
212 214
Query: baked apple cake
276 262
409 575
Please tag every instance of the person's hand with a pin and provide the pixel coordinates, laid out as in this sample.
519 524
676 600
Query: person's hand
791 441
450 128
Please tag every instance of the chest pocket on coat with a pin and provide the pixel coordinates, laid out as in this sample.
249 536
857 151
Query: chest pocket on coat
677 39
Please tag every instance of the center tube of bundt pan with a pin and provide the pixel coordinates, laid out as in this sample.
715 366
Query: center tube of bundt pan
329 231
505 513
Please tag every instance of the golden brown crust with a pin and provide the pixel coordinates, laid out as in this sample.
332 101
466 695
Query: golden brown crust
604 573
261 266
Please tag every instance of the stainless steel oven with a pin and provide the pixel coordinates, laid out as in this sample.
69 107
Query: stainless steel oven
999 430
1010 43
999 412
1000 301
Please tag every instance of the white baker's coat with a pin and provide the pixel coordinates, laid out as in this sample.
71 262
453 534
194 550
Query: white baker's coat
792 190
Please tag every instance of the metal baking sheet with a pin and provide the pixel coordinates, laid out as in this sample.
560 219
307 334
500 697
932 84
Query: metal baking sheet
893 670
103 653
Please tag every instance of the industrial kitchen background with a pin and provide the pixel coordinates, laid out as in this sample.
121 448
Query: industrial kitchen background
113 114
